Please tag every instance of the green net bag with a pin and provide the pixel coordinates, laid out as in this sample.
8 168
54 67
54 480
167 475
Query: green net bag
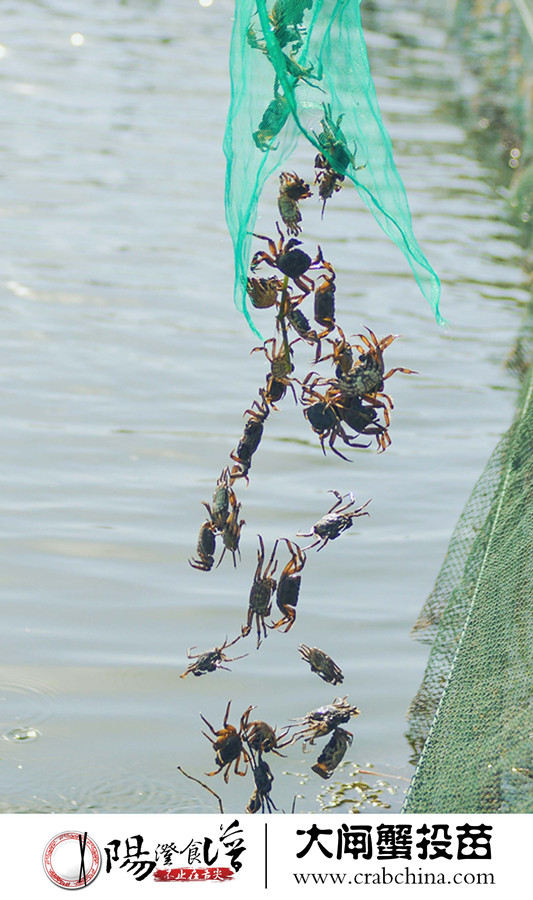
472 719
300 68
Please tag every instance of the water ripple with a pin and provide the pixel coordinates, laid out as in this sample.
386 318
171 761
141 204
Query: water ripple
24 704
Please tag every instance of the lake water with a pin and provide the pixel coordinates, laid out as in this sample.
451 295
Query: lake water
126 372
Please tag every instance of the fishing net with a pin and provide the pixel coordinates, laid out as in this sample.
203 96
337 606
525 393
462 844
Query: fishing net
471 722
472 719
496 40
299 68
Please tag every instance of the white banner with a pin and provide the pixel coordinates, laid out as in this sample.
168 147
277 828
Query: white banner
377 856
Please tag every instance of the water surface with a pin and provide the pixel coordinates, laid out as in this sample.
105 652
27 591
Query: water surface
126 372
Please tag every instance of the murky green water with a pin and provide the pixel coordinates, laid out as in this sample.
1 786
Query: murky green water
126 371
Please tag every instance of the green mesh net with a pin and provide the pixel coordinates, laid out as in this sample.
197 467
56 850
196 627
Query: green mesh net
300 68
471 722
472 719
496 42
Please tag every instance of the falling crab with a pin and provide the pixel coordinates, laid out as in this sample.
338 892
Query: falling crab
231 532
288 259
336 520
325 418
281 368
219 509
205 548
289 583
263 587
251 438
322 664
324 311
263 778
299 321
333 753
228 746
261 737
325 719
211 660
263 292
366 376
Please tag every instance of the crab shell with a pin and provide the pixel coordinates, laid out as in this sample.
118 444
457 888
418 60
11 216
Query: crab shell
322 664
333 753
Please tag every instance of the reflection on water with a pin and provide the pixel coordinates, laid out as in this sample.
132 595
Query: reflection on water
127 373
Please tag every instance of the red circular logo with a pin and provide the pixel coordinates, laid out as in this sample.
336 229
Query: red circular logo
72 860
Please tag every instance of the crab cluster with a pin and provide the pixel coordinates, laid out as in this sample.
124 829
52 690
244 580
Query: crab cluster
286 21
349 406
288 31
251 740
248 744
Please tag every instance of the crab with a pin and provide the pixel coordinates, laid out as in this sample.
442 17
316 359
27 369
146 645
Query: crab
263 778
261 737
294 68
249 442
299 322
324 312
219 511
253 41
324 418
336 520
274 391
263 587
333 753
362 419
280 368
322 664
333 143
280 361
211 660
330 414
232 530
365 379
325 719
334 157
341 355
240 470
263 292
228 746
303 73
290 11
291 313
272 121
289 259
286 17
329 181
324 421
205 548
291 190
289 586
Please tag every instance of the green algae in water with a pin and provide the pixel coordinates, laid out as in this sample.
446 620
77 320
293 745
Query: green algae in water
354 795
352 791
